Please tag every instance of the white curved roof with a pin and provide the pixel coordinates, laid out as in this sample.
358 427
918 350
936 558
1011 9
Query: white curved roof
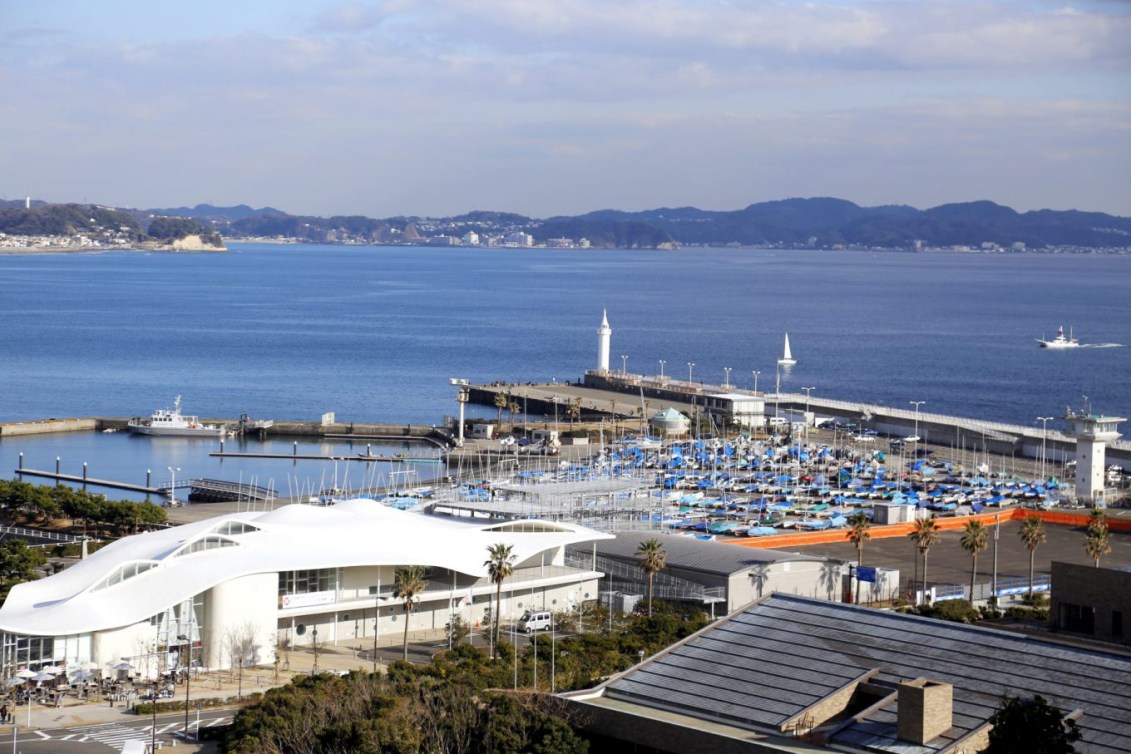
295 537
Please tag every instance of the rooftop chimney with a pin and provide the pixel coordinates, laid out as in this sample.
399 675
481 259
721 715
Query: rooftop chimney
925 710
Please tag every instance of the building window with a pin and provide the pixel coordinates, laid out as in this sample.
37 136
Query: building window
208 542
1077 618
123 573
305 582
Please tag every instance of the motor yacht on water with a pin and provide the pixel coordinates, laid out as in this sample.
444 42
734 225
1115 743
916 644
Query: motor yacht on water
1060 341
166 423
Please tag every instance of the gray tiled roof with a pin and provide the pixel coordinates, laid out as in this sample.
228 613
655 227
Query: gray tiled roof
695 554
766 664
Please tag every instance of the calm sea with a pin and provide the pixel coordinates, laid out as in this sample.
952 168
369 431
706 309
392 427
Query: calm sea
374 333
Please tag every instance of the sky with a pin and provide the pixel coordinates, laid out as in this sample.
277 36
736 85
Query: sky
547 107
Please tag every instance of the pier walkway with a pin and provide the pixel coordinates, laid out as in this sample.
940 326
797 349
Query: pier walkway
91 481
625 397
218 491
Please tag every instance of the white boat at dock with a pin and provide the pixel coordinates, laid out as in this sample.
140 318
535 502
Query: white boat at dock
166 423
787 355
1060 341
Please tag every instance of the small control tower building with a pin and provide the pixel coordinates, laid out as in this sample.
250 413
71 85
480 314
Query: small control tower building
1092 433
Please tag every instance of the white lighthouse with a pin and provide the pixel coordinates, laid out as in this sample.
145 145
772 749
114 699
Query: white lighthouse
604 338
1092 433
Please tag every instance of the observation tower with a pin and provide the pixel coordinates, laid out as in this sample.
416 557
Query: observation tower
1092 433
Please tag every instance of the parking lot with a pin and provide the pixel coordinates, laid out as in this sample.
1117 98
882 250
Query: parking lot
948 563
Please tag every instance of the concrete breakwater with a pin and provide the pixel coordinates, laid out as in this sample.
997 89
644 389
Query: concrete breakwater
630 399
436 436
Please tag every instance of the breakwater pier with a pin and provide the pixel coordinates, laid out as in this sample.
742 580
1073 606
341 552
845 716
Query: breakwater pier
626 401
384 432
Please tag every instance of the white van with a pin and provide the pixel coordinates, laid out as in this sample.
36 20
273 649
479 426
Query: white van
777 421
535 621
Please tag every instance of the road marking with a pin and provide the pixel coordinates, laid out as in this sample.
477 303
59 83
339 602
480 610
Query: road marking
43 735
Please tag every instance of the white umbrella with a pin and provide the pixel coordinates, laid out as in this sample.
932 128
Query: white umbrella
41 677
51 669
88 665
13 681
25 674
123 665
81 674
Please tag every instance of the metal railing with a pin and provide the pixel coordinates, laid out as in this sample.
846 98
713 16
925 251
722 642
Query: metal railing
50 536
664 586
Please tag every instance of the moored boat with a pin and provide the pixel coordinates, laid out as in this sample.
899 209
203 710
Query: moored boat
171 423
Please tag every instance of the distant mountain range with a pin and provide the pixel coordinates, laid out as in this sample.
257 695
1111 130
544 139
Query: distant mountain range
208 212
814 222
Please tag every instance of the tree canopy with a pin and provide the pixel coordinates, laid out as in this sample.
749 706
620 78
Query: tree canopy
1031 726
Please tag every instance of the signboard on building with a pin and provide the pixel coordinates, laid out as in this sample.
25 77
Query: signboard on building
309 599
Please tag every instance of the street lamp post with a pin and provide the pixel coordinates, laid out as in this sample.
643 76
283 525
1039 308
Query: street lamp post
756 373
188 678
997 533
376 625
726 384
623 364
462 397
172 487
662 363
1044 420
807 391
690 366
916 404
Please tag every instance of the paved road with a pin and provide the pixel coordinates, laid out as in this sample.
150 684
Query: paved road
98 738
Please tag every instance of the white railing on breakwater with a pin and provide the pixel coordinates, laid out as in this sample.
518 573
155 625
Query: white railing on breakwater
797 400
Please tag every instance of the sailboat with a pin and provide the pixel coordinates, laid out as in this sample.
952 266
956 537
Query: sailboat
787 356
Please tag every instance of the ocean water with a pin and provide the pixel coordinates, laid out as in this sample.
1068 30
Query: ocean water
374 333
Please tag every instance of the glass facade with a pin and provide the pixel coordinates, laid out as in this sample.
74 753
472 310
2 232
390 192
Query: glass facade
305 582
35 652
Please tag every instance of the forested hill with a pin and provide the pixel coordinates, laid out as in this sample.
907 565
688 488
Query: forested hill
66 220
819 222
829 222
815 222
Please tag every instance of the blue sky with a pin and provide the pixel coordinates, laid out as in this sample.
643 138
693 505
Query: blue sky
565 106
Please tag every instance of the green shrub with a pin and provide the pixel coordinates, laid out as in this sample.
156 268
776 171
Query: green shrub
957 611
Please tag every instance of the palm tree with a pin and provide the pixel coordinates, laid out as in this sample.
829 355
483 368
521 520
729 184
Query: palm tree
574 411
410 583
500 565
925 534
652 558
514 408
1098 542
500 403
858 534
1032 534
975 538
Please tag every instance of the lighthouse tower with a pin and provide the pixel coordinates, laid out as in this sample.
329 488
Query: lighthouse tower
1092 432
604 337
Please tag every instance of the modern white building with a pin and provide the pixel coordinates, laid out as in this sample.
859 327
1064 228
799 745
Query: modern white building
236 587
